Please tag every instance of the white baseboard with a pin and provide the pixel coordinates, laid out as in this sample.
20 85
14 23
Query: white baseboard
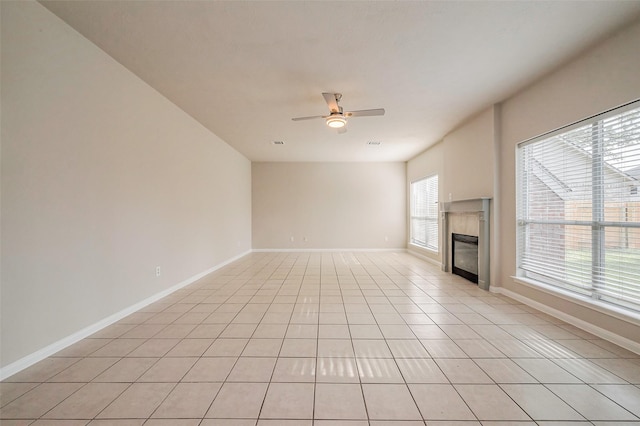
584 325
27 361
421 256
335 250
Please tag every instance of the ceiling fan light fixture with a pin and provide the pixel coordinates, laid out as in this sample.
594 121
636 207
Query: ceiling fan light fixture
336 121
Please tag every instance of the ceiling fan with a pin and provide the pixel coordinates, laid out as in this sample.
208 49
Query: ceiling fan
337 119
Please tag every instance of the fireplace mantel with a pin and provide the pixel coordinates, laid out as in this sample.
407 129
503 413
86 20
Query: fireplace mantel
472 205
479 207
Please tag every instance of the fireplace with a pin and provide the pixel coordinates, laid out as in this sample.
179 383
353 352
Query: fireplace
464 256
470 218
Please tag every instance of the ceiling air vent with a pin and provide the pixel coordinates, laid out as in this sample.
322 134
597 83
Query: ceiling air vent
374 143
278 142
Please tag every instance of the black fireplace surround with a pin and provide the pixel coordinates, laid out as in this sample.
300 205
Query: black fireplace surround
464 256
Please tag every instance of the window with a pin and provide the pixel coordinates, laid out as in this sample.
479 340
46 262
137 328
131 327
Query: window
578 212
424 212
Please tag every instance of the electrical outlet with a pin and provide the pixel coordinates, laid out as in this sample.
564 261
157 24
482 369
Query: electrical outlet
291 239
386 238
305 239
157 271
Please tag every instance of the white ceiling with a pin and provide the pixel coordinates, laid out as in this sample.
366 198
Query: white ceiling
244 69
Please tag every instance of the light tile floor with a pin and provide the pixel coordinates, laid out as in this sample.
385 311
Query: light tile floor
331 339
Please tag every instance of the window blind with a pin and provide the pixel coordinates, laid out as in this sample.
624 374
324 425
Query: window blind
578 208
424 212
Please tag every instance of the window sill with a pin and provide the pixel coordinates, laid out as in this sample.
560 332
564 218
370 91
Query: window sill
603 308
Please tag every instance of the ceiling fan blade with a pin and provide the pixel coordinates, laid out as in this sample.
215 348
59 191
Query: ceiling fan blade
342 130
308 118
332 102
365 112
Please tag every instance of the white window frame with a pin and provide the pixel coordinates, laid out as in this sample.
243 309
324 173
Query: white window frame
423 198
622 295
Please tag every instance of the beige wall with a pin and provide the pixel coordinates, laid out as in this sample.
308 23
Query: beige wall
602 78
464 163
103 179
468 155
332 205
